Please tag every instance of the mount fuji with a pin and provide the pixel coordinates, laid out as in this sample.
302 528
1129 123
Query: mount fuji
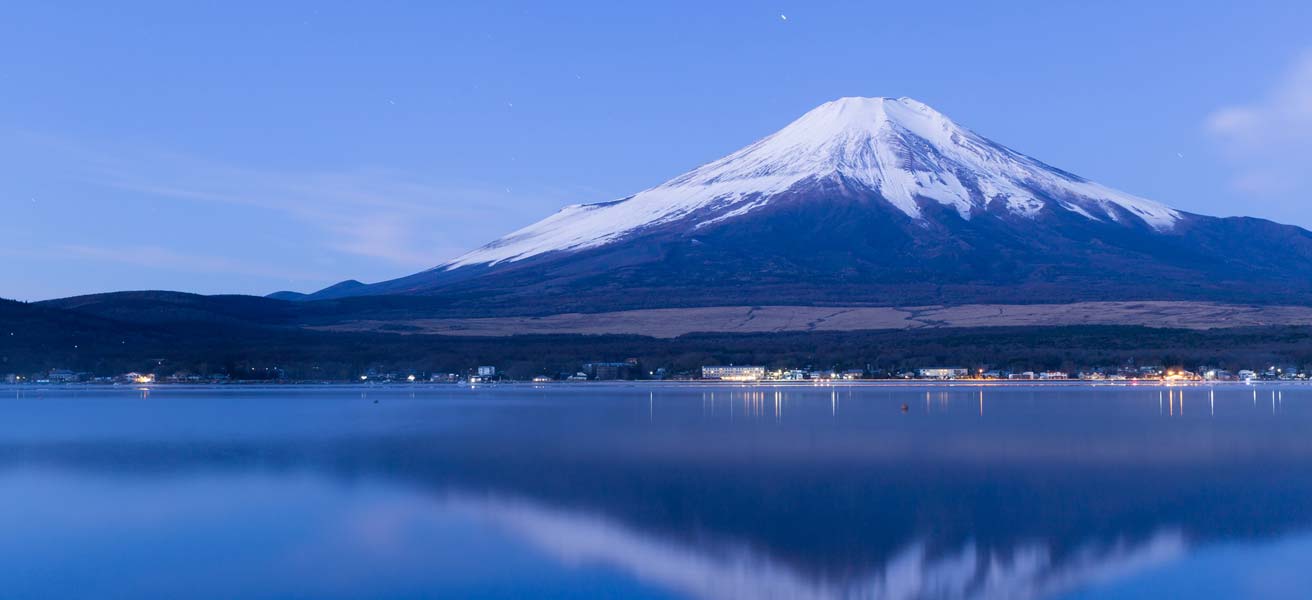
867 201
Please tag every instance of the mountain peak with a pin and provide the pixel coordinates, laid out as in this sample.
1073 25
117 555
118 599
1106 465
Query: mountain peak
869 115
898 149
859 138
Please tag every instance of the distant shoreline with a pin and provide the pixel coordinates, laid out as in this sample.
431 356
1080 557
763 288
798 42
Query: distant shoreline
673 383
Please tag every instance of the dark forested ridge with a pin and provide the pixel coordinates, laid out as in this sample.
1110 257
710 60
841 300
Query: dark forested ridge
37 337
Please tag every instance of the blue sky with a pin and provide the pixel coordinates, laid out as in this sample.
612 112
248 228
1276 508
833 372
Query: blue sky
249 147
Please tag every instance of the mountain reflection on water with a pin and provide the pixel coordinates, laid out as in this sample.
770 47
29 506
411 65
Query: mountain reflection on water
796 492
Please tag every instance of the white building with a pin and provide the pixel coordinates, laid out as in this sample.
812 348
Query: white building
942 373
62 376
787 375
135 377
1218 375
734 373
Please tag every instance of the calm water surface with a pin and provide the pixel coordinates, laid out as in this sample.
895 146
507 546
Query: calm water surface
656 491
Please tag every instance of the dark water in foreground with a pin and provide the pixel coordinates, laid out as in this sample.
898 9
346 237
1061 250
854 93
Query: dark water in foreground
657 491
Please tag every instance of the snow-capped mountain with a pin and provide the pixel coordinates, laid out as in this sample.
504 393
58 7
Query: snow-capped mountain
899 148
868 201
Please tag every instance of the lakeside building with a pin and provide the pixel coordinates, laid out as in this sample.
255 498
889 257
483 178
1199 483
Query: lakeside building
64 376
484 374
942 373
135 377
733 373
786 375
610 371
1210 374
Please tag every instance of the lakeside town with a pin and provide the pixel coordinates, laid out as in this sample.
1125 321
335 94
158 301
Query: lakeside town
632 370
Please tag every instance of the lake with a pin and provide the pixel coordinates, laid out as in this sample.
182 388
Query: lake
656 491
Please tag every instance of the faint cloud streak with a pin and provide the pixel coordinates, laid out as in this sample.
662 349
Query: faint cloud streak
1268 141
155 257
379 213
375 213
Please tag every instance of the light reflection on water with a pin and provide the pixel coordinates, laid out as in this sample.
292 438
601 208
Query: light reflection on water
751 491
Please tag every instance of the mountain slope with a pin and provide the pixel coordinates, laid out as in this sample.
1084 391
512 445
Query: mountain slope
870 201
901 149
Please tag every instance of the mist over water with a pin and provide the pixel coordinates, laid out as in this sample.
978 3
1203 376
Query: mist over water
873 491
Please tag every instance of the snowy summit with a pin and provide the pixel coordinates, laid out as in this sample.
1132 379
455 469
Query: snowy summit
900 149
